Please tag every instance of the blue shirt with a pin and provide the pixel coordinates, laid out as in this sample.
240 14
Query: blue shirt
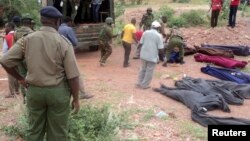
68 32
151 41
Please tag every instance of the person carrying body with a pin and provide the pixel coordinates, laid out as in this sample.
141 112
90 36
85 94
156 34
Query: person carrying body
175 48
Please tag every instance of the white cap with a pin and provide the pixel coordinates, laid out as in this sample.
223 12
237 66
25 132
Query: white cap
155 24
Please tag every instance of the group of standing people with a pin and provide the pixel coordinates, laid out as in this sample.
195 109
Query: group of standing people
52 77
150 45
87 7
216 6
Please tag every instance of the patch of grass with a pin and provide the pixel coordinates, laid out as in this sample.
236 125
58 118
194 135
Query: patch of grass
189 129
91 124
102 87
148 114
19 129
194 18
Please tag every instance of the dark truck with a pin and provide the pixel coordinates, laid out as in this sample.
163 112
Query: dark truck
87 30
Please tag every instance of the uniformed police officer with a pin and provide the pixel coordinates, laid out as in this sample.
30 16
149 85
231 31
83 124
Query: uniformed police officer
105 38
51 78
147 20
26 28
175 48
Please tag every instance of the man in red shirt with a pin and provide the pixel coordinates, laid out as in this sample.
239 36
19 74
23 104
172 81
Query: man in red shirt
233 11
216 6
7 44
138 35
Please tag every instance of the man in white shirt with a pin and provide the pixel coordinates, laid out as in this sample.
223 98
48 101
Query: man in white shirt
152 44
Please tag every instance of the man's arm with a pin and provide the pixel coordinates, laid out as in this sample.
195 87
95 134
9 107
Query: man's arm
134 37
122 34
15 74
74 90
72 37
142 21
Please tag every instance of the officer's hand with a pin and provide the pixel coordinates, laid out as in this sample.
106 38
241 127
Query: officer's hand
75 106
23 83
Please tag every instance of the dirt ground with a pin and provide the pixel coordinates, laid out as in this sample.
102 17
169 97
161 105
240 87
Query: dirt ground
116 85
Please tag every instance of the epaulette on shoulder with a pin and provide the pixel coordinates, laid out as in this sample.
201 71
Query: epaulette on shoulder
26 34
66 39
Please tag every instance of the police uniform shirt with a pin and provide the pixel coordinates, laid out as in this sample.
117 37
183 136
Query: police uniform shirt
50 57
22 31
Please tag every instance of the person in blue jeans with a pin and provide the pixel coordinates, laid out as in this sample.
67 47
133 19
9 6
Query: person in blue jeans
96 4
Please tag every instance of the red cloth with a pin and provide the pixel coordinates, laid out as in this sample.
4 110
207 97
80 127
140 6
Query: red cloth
138 35
9 39
235 2
220 61
216 4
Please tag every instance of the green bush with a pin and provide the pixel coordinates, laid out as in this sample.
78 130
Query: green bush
119 9
164 11
194 17
90 124
118 29
177 21
225 11
94 124
19 129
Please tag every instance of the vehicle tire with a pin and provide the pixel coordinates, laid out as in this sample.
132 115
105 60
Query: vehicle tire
93 48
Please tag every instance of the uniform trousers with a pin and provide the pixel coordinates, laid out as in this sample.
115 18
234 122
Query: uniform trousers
146 73
106 51
48 111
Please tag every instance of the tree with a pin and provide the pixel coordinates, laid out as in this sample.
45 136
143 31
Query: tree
17 8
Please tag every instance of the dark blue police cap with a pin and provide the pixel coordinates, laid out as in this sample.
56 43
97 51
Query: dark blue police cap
16 19
51 12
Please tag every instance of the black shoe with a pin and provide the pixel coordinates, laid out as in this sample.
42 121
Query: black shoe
126 65
182 62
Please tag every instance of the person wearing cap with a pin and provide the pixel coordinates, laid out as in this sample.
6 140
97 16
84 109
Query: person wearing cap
26 28
67 31
16 20
151 45
147 20
175 48
52 77
128 37
105 38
